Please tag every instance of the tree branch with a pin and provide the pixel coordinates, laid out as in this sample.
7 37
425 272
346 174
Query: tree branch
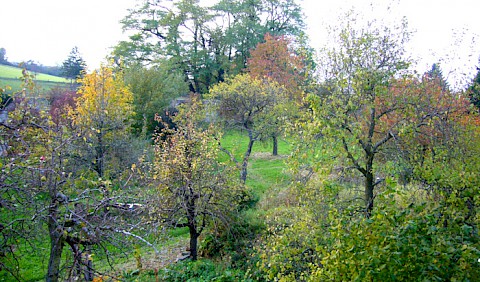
139 238
352 158
232 157
383 141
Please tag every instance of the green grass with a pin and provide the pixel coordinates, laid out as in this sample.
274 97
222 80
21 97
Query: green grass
9 72
264 169
10 76
32 260
265 173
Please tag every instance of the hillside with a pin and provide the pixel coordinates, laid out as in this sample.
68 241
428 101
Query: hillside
10 76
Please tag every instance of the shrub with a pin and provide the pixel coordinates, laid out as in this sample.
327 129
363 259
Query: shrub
418 243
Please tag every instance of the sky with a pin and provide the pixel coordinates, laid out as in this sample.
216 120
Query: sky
45 31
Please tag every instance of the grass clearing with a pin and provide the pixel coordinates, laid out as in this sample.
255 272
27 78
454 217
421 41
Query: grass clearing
266 176
264 169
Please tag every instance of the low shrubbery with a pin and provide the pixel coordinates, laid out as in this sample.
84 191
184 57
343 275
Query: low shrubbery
425 240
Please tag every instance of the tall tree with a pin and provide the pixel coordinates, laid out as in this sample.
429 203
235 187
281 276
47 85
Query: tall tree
474 90
436 73
192 188
74 66
439 120
153 90
249 20
104 112
360 69
178 31
205 43
275 60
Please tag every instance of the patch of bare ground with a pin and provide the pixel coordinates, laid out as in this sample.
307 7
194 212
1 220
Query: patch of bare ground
168 254
267 156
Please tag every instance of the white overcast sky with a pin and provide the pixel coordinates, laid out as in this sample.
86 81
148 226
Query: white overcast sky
46 30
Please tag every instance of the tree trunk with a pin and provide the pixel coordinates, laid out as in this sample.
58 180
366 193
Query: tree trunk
275 145
193 242
243 173
368 194
369 184
56 248
100 154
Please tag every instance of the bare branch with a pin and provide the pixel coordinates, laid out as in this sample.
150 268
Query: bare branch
139 238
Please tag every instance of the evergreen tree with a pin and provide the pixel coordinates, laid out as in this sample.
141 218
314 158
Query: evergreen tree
436 73
74 66
474 90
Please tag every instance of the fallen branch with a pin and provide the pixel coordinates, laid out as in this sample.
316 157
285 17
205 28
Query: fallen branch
139 238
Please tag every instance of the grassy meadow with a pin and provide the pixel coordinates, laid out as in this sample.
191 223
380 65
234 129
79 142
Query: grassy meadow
10 76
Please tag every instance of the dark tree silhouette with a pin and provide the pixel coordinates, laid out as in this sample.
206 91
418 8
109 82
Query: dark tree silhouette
74 66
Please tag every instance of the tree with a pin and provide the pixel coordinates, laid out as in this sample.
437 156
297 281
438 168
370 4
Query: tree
74 66
3 53
249 20
275 60
192 188
248 104
195 39
360 70
474 90
61 102
178 32
436 73
441 122
104 112
153 91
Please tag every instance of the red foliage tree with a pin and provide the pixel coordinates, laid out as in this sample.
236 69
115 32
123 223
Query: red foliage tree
274 59
61 100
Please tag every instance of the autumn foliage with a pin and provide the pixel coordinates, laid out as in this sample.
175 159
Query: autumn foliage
103 113
274 59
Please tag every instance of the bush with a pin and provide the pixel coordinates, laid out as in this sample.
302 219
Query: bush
234 241
417 243
291 249
404 239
